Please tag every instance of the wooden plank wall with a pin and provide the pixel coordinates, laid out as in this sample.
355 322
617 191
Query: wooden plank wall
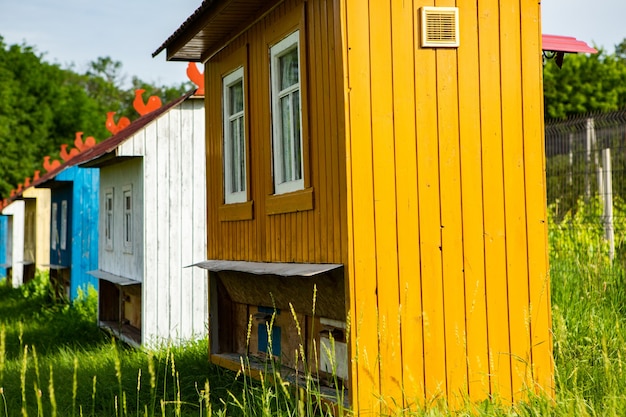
446 204
42 225
117 261
174 304
84 224
15 211
317 235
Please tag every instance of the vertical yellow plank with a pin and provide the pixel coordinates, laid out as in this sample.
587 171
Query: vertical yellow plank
534 164
359 148
451 225
515 196
471 198
316 124
381 65
429 217
403 49
493 200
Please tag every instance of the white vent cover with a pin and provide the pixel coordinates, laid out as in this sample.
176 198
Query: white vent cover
440 27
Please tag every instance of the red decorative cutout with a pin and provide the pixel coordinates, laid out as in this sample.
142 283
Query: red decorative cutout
142 108
65 155
26 182
49 166
12 193
19 188
80 145
196 77
36 175
113 127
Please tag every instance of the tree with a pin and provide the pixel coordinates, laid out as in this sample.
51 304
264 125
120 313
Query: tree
43 105
585 83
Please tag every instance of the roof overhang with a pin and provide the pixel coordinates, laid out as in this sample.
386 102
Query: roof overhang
212 26
115 279
268 268
556 43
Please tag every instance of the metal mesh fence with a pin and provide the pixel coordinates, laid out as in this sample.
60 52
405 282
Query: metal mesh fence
586 186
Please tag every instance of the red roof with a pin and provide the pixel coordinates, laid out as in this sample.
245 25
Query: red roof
557 43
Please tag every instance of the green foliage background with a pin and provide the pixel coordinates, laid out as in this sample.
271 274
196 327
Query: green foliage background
585 83
42 105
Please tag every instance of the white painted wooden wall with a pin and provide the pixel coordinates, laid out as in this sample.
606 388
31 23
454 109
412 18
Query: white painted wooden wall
117 260
174 165
16 232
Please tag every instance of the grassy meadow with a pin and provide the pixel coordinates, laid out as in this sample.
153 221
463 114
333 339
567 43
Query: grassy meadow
54 361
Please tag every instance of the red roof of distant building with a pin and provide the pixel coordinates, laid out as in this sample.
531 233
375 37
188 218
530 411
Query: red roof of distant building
557 43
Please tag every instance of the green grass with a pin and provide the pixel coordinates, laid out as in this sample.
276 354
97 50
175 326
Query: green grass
54 361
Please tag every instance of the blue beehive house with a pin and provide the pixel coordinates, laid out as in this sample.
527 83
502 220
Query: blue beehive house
73 227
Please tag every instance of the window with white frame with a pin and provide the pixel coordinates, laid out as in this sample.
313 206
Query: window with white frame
234 137
108 219
63 239
127 200
55 226
286 115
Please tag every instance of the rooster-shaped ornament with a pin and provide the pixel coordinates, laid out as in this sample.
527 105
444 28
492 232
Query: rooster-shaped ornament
113 127
65 155
80 145
153 103
196 77
49 166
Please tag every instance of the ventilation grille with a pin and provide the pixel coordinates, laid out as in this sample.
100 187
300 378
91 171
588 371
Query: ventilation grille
440 27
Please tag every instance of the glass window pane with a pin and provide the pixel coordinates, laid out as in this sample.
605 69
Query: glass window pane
285 115
289 69
241 151
236 97
296 136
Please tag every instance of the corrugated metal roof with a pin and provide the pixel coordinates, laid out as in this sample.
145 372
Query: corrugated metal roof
556 43
268 268
210 27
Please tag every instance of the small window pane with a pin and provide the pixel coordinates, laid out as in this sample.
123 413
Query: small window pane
289 69
55 227
287 139
64 224
296 135
236 97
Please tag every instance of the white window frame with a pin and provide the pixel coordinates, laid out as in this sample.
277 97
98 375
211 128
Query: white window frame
63 238
281 48
108 218
127 222
230 195
55 226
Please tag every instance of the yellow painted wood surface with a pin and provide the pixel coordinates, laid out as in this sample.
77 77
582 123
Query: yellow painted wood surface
426 175
40 197
446 204
309 228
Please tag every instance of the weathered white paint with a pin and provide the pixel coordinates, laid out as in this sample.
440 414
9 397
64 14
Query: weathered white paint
174 305
117 260
16 240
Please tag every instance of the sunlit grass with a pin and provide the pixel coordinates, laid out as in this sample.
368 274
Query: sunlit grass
55 361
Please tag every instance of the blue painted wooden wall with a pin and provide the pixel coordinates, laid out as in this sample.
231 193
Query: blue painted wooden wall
3 245
83 225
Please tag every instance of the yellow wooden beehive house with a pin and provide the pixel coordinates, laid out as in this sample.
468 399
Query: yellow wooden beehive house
391 153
